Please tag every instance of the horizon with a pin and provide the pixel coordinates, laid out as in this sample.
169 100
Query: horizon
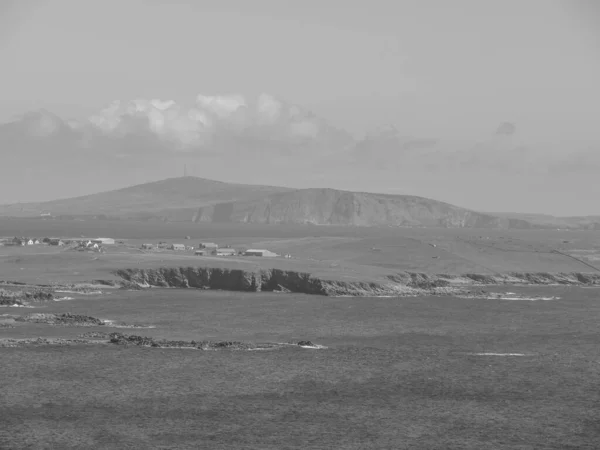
484 119
533 213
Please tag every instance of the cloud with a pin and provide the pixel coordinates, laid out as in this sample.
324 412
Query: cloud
221 106
194 128
506 129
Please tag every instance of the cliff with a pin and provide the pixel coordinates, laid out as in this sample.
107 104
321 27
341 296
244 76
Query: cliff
334 207
402 284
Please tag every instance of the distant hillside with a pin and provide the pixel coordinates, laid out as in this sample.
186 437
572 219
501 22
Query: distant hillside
548 221
173 198
334 207
201 200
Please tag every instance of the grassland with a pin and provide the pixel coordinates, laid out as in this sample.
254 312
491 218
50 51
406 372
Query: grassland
399 374
349 253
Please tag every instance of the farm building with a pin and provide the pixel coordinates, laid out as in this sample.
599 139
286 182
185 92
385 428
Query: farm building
177 247
224 252
255 252
209 245
105 241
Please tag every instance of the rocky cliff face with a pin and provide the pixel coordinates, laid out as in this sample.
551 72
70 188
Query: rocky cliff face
333 207
402 284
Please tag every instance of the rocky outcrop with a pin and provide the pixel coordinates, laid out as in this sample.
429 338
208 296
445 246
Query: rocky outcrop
276 280
65 319
144 341
20 297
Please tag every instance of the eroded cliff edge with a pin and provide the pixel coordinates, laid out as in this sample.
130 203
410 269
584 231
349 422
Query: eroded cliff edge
405 283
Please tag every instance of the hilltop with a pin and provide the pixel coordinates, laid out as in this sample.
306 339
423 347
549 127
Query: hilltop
202 200
173 197
194 199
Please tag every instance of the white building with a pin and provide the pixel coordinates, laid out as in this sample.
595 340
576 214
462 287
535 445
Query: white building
255 252
104 241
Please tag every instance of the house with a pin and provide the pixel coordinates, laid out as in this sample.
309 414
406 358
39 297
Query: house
209 245
147 246
36 241
105 241
177 247
29 242
224 252
255 252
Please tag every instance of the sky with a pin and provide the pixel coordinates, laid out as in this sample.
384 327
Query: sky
432 68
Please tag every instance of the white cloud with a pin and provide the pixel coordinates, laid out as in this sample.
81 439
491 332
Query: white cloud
268 108
222 106
193 127
304 129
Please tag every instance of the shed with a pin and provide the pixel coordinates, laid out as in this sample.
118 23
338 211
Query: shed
207 245
224 252
256 252
177 247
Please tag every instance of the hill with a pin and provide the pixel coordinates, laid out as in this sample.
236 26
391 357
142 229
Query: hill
202 200
171 198
549 221
335 207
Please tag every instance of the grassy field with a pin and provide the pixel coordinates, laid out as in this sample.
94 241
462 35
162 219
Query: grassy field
348 253
397 373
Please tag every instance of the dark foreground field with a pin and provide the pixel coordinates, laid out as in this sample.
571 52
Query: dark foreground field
397 374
